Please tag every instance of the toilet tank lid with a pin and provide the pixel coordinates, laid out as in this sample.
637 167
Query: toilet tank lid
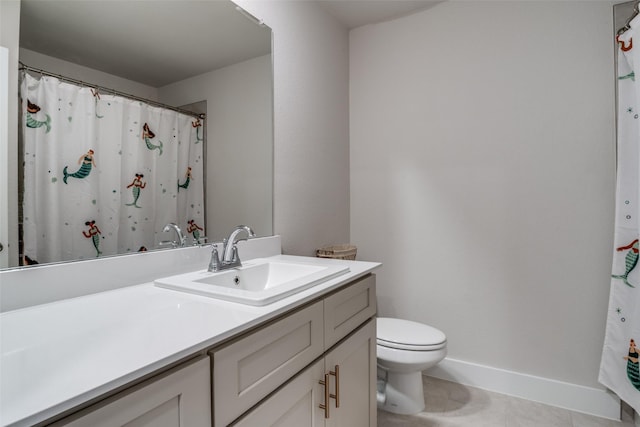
408 332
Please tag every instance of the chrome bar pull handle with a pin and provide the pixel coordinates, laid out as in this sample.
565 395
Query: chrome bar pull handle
336 396
325 405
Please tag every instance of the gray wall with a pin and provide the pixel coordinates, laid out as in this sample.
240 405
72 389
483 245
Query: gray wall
482 176
311 124
239 130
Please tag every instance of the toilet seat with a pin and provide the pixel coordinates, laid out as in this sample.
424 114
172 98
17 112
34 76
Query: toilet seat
408 335
410 347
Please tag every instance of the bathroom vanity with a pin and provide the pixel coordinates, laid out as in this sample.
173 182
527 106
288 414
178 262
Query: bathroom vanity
342 379
147 355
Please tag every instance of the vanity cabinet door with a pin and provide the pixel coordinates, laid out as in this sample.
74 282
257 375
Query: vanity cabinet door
349 308
247 370
354 383
181 398
294 405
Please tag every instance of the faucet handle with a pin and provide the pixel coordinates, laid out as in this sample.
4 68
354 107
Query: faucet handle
214 263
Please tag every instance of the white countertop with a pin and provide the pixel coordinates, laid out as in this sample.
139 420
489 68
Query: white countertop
59 355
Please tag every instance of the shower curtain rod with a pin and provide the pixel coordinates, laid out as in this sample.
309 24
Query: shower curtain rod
109 90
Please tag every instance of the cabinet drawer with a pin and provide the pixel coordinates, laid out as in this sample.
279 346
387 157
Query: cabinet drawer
347 309
247 370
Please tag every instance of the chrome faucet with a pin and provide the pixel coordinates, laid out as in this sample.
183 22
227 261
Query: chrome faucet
230 258
181 237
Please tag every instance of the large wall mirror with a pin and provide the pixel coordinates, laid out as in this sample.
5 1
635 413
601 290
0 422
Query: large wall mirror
206 56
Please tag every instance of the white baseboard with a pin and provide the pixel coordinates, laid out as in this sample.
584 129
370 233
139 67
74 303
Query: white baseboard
589 400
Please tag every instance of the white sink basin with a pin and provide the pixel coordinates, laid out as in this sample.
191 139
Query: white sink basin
259 281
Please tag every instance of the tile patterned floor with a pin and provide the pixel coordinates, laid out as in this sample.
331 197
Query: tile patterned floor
450 404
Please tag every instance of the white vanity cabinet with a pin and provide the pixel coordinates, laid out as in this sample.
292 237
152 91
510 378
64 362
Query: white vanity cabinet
179 398
302 402
247 370
263 375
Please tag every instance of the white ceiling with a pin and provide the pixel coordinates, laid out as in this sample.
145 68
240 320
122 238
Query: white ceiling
151 42
355 13
161 42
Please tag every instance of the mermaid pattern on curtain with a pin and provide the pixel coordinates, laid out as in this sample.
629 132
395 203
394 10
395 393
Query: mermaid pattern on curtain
619 364
100 172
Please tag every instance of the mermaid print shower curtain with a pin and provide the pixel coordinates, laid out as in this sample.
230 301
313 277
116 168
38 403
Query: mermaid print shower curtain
103 174
619 365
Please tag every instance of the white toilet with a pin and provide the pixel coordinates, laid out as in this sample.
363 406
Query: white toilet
405 348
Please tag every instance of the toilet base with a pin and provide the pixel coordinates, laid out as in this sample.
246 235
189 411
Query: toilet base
402 393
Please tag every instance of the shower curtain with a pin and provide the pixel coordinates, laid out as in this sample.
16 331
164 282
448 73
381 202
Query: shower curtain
103 174
619 369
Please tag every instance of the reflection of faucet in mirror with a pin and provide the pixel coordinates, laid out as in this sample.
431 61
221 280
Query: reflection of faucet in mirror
230 258
181 237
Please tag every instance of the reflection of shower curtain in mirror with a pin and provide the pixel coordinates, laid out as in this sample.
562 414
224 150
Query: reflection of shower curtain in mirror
619 366
103 174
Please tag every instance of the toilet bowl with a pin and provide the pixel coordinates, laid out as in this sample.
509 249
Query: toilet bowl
405 349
